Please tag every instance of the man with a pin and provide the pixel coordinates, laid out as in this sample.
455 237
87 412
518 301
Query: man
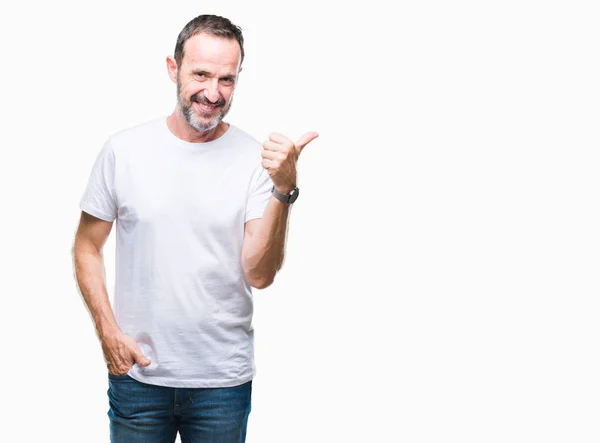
201 211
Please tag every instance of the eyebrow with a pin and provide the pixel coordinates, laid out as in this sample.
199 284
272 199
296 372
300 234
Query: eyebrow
209 74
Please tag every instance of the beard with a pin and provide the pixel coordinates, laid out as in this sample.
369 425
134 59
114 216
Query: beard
197 119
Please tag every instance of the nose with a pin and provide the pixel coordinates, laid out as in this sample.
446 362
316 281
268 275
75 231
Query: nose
212 92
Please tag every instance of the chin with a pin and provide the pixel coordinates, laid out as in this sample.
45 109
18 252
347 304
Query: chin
204 126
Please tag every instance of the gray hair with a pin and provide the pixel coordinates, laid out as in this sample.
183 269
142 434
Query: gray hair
209 24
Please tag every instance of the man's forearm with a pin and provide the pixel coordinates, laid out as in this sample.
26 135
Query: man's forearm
265 250
90 276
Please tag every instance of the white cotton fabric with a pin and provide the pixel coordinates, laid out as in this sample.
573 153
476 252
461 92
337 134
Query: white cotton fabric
180 210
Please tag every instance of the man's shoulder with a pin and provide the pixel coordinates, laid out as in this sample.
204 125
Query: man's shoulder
245 137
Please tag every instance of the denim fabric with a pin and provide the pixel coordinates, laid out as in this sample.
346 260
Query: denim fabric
141 412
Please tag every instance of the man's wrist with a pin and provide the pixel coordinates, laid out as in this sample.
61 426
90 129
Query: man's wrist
107 330
287 197
286 190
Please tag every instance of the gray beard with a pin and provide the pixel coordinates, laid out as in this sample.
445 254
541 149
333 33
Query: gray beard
190 115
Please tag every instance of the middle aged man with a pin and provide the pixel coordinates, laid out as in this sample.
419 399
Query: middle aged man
201 210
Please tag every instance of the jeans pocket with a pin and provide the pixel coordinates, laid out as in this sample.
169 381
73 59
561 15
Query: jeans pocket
118 377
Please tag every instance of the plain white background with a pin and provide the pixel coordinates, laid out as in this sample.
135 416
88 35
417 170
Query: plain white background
441 278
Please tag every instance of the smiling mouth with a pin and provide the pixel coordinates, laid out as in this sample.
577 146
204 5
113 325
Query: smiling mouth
205 108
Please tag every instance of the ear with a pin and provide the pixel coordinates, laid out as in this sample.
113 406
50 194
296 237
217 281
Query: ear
172 68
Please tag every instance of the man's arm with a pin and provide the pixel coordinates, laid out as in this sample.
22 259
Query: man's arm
264 239
120 350
263 249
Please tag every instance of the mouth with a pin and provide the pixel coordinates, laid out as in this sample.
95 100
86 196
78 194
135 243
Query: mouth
205 108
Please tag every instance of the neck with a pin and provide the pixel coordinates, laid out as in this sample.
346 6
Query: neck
181 129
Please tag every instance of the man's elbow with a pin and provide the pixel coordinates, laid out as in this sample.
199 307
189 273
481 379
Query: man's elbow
258 277
261 282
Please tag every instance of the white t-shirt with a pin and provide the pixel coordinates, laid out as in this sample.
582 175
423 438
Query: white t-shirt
180 290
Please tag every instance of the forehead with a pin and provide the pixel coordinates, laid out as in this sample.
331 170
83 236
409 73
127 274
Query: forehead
209 51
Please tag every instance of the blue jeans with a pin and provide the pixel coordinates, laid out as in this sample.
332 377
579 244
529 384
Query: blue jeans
140 412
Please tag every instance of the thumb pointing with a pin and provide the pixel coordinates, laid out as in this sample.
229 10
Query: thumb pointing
305 139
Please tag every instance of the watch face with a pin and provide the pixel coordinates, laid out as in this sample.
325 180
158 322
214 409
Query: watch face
294 195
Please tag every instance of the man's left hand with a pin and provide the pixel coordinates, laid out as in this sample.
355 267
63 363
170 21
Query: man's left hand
279 157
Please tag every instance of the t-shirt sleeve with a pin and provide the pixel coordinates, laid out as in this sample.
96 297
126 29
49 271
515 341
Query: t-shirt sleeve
99 196
260 192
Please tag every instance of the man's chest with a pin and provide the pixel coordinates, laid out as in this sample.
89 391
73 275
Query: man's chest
206 194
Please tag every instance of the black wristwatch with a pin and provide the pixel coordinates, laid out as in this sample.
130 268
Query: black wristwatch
286 198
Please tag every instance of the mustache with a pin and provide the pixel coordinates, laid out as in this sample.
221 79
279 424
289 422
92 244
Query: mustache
204 101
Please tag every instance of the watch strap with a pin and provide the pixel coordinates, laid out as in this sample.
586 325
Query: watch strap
286 198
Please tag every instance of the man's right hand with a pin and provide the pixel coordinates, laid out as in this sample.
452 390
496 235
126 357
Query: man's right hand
121 352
